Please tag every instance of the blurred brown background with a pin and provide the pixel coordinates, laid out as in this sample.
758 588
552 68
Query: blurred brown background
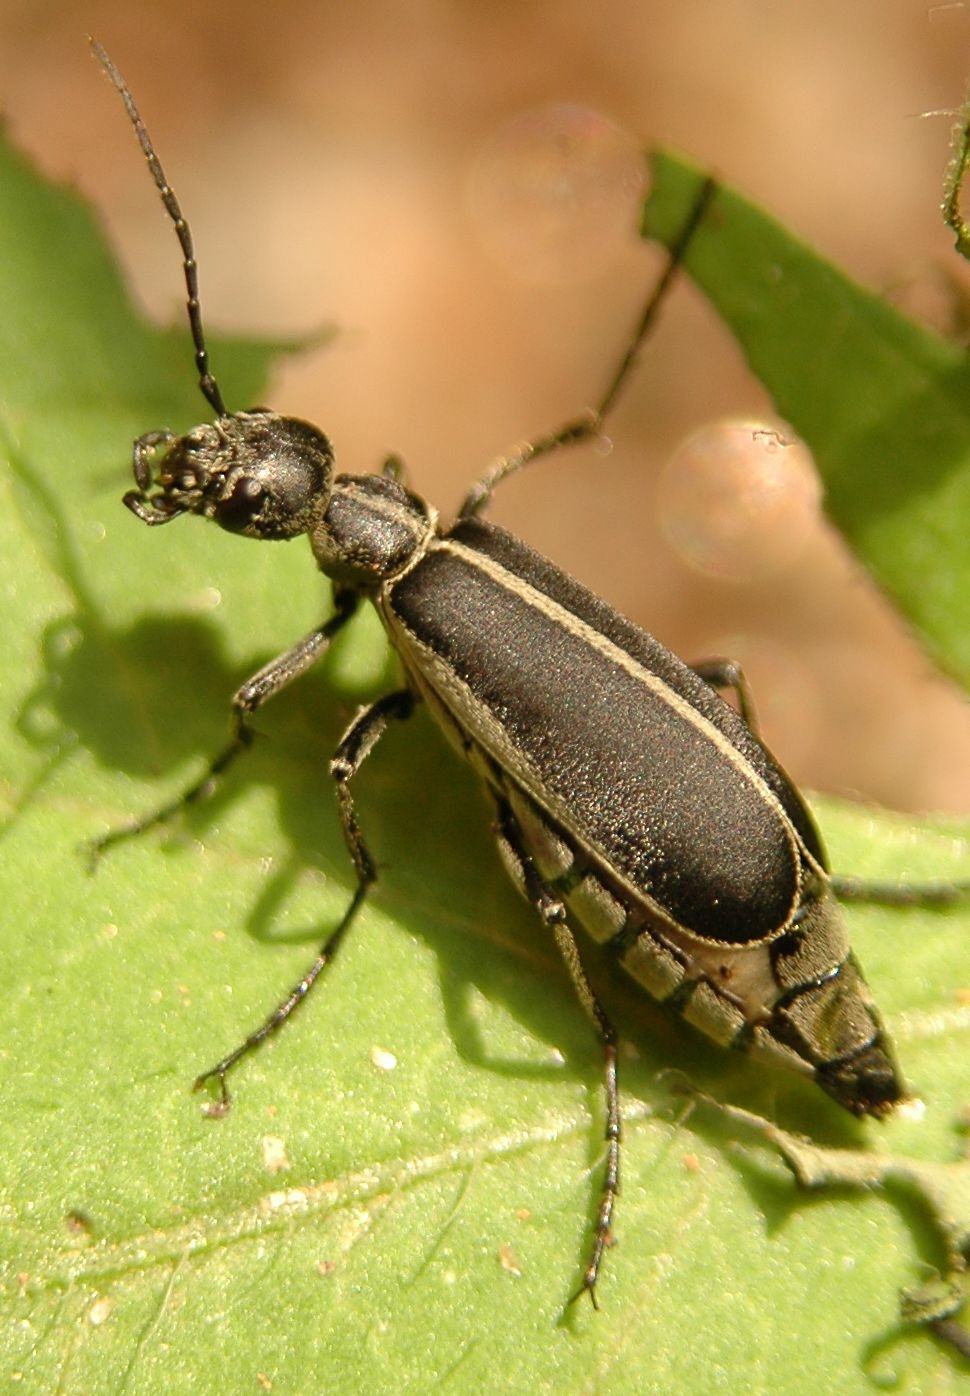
453 186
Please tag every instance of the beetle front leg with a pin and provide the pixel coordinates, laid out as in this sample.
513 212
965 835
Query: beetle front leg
257 690
354 747
589 425
553 913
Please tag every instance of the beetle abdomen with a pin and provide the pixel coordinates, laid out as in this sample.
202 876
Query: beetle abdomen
646 804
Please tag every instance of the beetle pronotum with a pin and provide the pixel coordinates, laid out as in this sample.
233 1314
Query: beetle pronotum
629 797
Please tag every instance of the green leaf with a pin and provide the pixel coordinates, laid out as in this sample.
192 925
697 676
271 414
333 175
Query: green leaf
883 403
400 1198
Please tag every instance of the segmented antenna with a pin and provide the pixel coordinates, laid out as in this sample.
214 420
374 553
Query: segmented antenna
207 383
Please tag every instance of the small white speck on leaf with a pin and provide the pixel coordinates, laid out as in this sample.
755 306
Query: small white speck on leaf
383 1059
274 1153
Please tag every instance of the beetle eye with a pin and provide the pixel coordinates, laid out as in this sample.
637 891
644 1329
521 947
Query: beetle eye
242 506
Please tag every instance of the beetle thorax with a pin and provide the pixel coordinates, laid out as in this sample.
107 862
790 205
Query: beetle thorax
373 531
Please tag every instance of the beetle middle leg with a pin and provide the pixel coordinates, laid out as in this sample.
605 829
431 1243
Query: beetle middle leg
553 913
902 894
727 673
359 740
257 690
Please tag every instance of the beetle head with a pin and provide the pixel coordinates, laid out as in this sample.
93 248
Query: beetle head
254 473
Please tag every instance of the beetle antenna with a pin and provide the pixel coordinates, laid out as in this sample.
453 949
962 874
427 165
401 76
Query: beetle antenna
209 386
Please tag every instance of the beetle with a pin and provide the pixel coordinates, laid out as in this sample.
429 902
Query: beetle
629 797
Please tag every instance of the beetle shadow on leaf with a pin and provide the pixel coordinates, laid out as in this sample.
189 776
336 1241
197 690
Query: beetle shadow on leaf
130 697
770 1176
156 695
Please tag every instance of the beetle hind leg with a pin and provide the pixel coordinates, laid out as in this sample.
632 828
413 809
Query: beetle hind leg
552 910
